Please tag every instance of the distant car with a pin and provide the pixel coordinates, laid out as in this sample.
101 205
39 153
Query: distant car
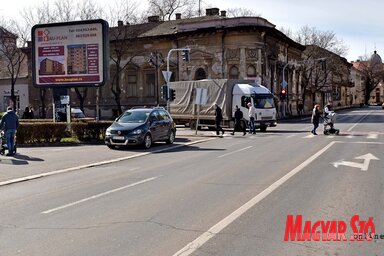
141 126
77 113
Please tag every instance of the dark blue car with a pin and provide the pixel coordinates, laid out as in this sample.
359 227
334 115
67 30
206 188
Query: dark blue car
141 126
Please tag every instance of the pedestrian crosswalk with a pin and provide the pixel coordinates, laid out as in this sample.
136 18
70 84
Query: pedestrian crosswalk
370 136
351 135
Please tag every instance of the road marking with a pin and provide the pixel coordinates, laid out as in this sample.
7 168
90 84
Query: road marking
45 174
363 166
98 195
310 136
372 136
203 238
236 151
361 119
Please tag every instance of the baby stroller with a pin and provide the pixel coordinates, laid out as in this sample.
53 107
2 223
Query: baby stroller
3 144
329 122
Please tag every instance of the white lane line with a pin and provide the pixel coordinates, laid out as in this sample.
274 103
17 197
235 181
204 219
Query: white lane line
46 174
98 195
372 136
361 119
202 239
236 151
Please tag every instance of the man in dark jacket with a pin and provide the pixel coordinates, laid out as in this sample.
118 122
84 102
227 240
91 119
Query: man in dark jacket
9 123
239 121
218 119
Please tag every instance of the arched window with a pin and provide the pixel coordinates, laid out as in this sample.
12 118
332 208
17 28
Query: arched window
200 74
251 71
234 72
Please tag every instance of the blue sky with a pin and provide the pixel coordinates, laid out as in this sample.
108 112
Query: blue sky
358 23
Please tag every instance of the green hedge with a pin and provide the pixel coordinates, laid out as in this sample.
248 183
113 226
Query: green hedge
90 131
50 132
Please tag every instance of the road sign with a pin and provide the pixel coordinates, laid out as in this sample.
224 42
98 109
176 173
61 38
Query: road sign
201 96
167 75
284 84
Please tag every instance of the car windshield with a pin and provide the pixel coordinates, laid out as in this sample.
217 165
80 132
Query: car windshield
264 101
134 117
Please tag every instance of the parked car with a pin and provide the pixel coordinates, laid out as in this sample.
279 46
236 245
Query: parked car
382 106
77 113
141 126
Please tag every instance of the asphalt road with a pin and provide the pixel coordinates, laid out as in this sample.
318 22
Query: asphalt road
225 196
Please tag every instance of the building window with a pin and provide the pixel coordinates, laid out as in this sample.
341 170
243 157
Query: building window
150 84
200 74
251 71
234 72
132 85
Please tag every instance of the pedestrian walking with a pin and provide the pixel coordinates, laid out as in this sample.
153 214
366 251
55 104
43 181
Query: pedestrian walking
218 119
9 123
315 119
238 122
252 118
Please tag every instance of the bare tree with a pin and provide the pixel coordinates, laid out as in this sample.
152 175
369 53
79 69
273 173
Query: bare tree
125 11
165 9
373 73
241 12
324 39
121 57
323 66
13 38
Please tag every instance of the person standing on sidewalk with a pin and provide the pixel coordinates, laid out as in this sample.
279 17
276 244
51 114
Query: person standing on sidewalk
238 121
9 123
252 118
218 119
315 119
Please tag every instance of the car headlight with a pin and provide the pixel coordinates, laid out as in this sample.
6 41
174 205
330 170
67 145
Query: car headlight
137 131
108 132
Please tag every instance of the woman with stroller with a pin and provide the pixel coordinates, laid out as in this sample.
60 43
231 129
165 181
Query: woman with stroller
315 119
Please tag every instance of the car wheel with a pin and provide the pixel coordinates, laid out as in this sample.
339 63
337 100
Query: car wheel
263 128
171 137
147 141
111 146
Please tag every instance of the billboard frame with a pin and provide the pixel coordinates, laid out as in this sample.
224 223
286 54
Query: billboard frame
91 43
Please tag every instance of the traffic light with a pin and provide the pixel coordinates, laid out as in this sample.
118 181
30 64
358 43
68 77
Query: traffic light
283 94
185 55
164 92
172 94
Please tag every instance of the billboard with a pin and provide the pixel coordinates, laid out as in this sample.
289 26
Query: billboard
70 54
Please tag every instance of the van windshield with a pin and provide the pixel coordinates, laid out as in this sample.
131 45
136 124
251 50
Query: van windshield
263 101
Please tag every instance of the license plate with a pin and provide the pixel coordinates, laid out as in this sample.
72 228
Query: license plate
118 138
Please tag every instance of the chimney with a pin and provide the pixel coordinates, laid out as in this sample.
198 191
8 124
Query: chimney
223 13
178 16
215 11
120 23
153 18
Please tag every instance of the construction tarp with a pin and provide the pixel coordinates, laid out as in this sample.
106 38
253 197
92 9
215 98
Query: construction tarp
218 91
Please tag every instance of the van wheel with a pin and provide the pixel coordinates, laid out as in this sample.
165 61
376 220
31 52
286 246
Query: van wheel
171 137
147 141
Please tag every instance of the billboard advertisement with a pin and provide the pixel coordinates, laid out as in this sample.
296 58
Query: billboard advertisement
70 54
